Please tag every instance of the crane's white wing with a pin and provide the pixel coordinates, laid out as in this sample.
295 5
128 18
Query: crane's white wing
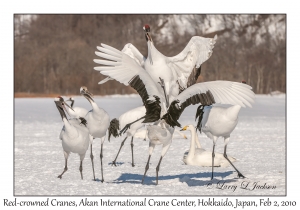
208 93
132 52
198 50
105 80
224 92
124 69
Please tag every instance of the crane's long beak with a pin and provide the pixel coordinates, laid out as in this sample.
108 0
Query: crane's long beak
61 109
87 95
65 104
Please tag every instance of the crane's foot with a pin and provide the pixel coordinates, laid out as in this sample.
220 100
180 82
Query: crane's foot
132 165
60 176
125 129
162 82
241 176
113 163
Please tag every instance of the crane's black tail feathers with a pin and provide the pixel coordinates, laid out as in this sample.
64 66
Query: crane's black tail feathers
83 121
173 114
153 110
113 128
199 115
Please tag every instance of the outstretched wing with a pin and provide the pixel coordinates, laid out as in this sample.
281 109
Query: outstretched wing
127 70
208 93
134 53
188 62
130 50
122 67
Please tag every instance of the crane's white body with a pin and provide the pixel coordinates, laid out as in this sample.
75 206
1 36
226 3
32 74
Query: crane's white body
131 116
78 112
159 135
97 121
75 137
157 67
197 156
219 121
141 134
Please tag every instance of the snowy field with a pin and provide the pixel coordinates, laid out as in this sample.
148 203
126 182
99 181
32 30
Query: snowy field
258 142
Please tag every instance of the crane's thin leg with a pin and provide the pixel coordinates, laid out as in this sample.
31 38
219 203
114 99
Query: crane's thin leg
101 156
92 159
66 163
126 127
162 84
132 151
240 175
122 143
146 135
80 169
157 169
146 169
213 157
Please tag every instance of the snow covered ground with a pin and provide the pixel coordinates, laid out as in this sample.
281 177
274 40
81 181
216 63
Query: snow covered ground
258 142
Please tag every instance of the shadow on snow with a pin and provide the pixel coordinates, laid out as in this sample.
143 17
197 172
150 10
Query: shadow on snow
189 179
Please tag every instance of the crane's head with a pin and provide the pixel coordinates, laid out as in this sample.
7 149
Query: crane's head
61 106
147 33
71 99
88 95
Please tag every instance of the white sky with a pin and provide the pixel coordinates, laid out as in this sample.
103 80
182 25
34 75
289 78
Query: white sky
8 8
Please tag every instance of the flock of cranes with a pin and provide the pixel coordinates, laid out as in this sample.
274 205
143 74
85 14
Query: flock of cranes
166 85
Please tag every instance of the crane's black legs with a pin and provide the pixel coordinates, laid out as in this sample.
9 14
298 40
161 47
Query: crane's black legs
132 151
157 169
80 169
122 143
126 127
146 168
101 156
213 157
65 169
92 159
240 175
162 84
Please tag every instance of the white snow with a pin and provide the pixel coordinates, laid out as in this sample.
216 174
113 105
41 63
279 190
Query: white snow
258 142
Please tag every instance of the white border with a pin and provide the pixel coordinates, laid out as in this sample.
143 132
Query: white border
149 6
